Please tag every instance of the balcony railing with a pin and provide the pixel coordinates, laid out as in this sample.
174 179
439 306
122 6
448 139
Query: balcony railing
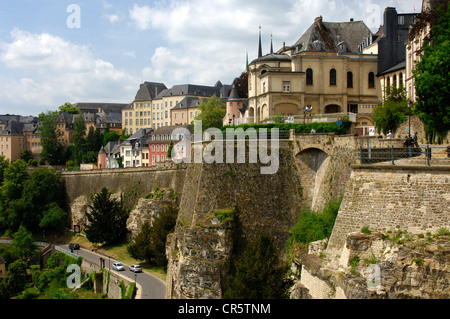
422 155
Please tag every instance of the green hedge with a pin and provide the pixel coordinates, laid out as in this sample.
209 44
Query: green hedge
321 127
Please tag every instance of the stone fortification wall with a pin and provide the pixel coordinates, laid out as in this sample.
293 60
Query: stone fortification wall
385 197
202 245
132 183
324 160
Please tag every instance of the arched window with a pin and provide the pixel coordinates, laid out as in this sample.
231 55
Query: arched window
349 80
372 80
395 81
332 77
400 80
309 77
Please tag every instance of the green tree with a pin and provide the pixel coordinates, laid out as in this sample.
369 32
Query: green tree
259 273
69 108
169 151
4 163
150 243
23 243
26 156
394 111
107 219
79 140
432 79
53 218
94 140
52 150
17 276
211 113
110 136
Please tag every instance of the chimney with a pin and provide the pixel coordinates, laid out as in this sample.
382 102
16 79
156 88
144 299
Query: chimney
318 21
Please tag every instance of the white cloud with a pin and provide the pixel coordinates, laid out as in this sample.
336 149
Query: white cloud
56 71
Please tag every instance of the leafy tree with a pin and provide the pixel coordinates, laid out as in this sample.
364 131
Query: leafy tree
4 163
26 156
90 157
69 108
14 177
110 136
169 151
79 141
149 244
432 78
94 140
52 150
124 136
241 84
54 218
211 113
17 276
23 242
107 219
259 273
394 111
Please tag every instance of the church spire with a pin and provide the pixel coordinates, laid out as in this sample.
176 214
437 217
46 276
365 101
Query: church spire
260 46
271 45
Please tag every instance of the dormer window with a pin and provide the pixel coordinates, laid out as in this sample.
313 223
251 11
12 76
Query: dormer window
342 46
317 45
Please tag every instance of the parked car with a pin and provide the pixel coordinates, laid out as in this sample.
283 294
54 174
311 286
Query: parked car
135 268
74 246
118 266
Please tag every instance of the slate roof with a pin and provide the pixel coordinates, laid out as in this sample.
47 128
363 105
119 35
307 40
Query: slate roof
92 107
149 90
218 89
188 103
330 34
13 128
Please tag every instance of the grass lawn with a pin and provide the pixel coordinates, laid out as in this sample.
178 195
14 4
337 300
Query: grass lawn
118 251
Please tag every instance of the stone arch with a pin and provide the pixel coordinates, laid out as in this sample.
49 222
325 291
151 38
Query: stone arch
264 112
332 108
312 157
313 165
251 115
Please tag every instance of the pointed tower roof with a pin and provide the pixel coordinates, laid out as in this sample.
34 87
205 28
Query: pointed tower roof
233 94
271 45
260 46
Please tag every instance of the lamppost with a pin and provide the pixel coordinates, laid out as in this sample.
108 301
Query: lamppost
306 109
410 105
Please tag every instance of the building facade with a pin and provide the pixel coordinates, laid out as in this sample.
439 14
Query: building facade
324 71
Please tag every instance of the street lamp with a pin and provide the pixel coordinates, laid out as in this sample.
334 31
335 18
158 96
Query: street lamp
306 109
410 105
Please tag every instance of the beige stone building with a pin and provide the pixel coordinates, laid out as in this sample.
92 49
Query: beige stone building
12 141
413 49
325 69
138 114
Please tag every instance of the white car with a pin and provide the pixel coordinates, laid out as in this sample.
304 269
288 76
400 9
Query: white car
136 268
118 266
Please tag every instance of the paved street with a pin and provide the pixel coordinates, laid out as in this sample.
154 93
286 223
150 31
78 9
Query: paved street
151 286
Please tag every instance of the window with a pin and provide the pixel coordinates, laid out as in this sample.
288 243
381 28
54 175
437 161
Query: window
264 87
286 86
191 114
401 20
400 80
349 80
395 81
332 77
309 77
182 116
176 116
399 38
372 80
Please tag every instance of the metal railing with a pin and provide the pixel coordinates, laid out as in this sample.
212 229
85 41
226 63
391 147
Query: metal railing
412 155
282 135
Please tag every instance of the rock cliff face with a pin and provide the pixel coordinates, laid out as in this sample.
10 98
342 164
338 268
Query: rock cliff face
206 237
379 266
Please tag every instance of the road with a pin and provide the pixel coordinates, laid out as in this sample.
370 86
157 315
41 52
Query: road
151 286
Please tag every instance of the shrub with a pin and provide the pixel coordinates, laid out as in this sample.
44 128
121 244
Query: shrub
312 226
366 230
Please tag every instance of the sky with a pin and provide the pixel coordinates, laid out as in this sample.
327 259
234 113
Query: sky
57 51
